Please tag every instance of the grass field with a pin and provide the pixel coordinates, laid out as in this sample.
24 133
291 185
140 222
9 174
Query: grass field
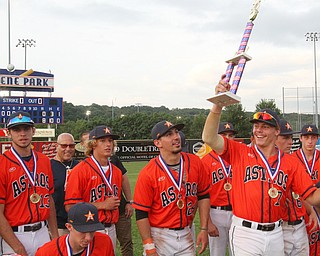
133 171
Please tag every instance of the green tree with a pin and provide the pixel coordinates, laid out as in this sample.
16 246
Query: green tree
236 115
268 103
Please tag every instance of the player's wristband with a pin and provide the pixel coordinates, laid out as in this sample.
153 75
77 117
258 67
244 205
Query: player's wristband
148 241
206 229
148 246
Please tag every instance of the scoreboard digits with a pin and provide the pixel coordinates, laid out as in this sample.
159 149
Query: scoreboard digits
43 110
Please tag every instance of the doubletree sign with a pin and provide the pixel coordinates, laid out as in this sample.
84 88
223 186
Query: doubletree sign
26 80
43 110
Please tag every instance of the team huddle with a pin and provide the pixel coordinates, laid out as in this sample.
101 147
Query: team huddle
256 199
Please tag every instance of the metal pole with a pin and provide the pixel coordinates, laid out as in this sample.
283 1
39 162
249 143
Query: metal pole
315 79
25 43
283 102
25 57
9 34
313 36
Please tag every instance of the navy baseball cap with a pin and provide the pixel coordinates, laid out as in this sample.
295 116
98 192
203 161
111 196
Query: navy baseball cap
84 218
285 128
266 116
102 131
309 129
19 118
226 127
162 128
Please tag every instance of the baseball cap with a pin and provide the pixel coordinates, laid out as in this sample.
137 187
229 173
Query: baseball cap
285 128
102 131
84 218
226 127
19 118
266 116
163 127
309 129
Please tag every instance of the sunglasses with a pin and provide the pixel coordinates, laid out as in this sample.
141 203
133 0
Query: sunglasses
64 146
263 116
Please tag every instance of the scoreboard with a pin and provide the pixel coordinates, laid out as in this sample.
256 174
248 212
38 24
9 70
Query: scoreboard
43 110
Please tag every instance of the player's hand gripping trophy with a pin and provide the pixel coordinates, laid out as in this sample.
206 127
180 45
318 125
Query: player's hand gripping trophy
239 60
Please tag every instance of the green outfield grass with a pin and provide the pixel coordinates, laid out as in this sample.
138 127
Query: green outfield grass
133 171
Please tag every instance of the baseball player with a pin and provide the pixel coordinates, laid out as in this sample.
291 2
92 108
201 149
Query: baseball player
61 165
26 187
309 157
97 181
167 191
83 240
261 176
220 196
294 227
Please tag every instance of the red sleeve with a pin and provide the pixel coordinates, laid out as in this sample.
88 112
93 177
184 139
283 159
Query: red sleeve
50 248
3 182
102 245
75 185
143 191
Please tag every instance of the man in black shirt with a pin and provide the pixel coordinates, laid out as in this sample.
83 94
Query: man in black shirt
61 166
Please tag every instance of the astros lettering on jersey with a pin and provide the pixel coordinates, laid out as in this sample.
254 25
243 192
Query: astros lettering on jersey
156 194
88 186
16 189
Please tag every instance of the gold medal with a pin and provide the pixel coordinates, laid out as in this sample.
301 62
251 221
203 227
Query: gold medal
273 192
35 198
295 196
180 204
227 186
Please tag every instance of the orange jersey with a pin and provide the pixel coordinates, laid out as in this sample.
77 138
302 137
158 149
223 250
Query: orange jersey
296 210
218 178
156 194
86 184
314 236
251 182
101 245
16 189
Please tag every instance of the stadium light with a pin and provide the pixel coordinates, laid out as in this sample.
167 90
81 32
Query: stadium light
25 43
88 113
314 37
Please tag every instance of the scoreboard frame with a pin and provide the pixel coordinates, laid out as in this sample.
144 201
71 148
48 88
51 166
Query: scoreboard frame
43 110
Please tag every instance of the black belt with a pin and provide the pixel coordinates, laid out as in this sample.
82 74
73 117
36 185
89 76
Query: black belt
176 228
293 223
107 224
225 207
31 228
266 227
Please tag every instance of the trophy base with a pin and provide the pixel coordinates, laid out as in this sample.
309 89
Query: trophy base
235 60
225 99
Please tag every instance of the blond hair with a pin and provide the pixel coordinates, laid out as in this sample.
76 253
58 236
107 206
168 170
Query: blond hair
91 144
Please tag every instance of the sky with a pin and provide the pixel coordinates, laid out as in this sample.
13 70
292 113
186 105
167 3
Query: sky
165 52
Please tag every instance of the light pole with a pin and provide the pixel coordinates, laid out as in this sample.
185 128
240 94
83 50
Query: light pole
25 43
10 66
314 37
138 107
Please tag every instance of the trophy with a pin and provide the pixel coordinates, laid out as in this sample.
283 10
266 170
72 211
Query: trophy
239 60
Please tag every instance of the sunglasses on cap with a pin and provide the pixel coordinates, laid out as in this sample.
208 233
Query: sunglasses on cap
263 116
21 119
64 146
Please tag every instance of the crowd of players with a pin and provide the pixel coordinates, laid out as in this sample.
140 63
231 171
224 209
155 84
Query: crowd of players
257 199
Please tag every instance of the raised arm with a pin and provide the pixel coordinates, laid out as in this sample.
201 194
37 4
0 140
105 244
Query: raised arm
210 131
